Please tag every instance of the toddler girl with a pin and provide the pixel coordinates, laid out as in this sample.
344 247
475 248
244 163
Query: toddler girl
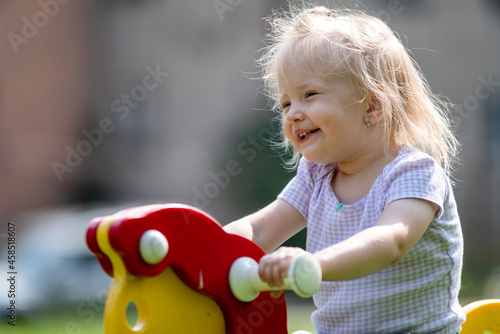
374 150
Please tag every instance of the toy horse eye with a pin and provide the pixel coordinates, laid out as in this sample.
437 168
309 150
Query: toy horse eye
153 246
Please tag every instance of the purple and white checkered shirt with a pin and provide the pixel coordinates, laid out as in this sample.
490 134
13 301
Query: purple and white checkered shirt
419 294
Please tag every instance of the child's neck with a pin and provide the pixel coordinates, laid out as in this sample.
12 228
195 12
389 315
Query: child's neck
353 180
366 161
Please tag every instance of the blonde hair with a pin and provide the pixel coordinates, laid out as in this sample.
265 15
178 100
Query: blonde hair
355 45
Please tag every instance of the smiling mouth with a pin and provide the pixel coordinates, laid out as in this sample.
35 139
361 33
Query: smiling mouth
304 134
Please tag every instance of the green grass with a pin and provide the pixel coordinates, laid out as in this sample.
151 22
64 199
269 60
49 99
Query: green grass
298 318
54 324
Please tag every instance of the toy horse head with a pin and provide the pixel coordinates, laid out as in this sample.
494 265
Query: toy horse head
172 262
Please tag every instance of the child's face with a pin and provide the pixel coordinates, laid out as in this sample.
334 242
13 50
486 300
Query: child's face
325 120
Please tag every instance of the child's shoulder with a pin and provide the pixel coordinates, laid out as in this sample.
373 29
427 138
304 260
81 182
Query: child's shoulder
313 169
411 160
409 155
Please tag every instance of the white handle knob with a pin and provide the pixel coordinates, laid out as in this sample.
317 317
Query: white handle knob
153 246
304 278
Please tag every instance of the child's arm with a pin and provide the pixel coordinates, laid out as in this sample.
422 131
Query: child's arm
398 229
270 226
401 225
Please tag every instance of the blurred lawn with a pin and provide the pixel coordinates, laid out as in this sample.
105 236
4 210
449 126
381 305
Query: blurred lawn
298 318
55 324
299 313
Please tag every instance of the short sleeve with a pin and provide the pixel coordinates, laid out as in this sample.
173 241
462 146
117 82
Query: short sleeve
418 176
299 190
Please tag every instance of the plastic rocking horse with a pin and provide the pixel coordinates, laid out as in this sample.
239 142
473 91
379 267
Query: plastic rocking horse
185 274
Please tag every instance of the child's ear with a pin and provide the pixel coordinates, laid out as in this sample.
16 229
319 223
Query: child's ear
375 111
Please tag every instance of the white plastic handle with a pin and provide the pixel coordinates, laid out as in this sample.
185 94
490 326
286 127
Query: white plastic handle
153 246
304 278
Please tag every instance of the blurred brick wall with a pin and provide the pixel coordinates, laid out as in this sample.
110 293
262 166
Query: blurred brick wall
44 86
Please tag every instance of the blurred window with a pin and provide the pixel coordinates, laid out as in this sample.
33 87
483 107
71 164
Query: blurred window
493 4
407 7
492 130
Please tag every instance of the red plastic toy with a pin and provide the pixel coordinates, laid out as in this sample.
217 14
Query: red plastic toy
200 253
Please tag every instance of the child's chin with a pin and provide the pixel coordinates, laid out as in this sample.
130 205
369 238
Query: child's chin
312 157
315 157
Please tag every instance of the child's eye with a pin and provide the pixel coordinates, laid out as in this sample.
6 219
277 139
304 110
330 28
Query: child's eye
285 105
312 93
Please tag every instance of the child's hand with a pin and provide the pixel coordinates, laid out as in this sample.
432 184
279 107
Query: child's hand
274 267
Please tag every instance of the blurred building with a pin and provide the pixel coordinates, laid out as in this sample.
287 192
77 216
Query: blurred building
153 101
45 89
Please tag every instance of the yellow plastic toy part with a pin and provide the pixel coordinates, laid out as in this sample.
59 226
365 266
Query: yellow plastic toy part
153 296
483 317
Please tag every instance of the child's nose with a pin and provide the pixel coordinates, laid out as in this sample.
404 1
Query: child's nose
295 114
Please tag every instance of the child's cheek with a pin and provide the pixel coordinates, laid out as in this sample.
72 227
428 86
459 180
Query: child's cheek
287 129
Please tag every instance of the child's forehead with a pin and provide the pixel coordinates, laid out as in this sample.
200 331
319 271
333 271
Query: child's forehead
298 76
293 79
299 80
296 71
